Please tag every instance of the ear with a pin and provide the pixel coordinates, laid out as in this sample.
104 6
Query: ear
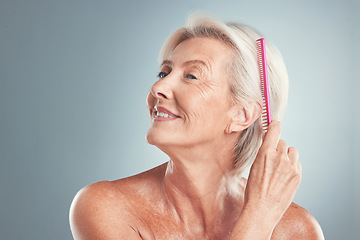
241 117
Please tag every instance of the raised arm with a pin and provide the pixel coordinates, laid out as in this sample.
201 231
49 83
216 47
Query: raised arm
273 180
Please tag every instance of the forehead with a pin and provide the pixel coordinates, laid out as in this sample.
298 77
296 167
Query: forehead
210 51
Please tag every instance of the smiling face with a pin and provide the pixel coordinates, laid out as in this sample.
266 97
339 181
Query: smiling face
189 104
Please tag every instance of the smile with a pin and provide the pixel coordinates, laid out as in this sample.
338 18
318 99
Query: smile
162 114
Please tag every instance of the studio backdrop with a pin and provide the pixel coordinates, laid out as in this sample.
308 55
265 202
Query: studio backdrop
73 81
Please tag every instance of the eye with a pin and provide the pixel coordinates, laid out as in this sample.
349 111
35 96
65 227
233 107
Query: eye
189 76
162 74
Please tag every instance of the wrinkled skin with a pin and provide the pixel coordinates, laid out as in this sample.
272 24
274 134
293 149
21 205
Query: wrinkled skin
184 199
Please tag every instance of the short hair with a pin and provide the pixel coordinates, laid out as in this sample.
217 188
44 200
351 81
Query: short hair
244 74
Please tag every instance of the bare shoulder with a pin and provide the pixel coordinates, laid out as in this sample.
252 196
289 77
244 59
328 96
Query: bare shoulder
298 223
108 209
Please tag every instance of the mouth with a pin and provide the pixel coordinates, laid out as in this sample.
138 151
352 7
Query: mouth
162 114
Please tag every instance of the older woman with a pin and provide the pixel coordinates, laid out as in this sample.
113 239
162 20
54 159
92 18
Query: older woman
205 111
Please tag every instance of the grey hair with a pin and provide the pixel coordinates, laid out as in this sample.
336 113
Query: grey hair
244 75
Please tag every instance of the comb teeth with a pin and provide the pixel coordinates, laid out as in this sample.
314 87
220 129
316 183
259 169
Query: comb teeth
264 86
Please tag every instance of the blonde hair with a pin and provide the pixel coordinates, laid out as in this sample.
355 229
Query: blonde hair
244 72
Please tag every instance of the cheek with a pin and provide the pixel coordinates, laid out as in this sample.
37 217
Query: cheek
190 102
203 107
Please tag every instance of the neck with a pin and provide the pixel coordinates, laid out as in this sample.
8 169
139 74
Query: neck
194 185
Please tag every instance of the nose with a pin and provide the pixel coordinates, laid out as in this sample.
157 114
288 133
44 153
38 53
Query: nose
162 90
158 92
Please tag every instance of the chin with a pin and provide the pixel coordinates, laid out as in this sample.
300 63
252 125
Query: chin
162 139
150 139
153 137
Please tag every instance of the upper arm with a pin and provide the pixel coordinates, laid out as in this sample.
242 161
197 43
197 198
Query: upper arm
298 224
95 214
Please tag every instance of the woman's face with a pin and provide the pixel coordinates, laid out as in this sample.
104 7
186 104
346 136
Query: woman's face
190 101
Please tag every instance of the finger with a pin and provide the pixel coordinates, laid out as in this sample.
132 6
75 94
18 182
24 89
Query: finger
299 168
293 154
272 136
282 146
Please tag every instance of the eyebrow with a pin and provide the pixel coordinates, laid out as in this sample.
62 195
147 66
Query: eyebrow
191 62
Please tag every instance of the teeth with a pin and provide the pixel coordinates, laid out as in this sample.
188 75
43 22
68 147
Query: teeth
161 114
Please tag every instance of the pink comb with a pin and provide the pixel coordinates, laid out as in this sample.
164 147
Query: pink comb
261 57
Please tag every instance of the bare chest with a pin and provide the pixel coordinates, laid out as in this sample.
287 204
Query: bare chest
155 224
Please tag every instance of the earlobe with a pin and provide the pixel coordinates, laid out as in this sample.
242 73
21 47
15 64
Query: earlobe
241 117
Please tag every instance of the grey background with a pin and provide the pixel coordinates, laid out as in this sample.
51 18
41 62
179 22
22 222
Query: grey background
74 76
